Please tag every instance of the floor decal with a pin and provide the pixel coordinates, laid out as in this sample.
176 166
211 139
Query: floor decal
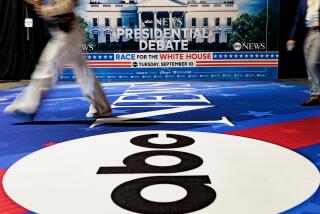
244 143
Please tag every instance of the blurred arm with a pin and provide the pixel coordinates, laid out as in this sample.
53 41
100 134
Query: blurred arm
298 21
58 7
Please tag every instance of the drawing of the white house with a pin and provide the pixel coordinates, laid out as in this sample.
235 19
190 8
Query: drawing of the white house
106 18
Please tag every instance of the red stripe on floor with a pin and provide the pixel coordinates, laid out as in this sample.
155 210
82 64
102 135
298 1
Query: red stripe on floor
7 206
292 135
49 144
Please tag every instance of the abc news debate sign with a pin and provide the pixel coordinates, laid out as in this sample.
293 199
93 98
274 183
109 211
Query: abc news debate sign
193 40
162 40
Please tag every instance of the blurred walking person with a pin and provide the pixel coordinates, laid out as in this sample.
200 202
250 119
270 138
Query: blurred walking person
63 47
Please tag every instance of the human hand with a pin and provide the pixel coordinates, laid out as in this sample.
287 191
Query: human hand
38 7
290 44
44 12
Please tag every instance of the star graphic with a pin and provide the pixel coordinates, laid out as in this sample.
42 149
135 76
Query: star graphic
258 113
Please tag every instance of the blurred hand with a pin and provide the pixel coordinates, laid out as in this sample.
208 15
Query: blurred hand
38 7
290 44
44 12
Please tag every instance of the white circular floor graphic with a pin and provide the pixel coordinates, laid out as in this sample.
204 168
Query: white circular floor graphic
212 173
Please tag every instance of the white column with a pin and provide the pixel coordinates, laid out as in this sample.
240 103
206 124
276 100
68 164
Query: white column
140 20
186 23
154 24
139 24
170 23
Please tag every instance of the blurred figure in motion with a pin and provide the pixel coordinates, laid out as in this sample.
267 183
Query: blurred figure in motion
307 21
63 47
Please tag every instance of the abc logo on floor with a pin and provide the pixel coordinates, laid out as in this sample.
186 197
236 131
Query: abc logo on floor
162 172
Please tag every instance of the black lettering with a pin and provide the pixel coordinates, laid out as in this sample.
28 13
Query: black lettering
199 195
143 141
136 163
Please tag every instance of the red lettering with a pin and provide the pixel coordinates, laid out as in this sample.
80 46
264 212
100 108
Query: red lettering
171 56
197 56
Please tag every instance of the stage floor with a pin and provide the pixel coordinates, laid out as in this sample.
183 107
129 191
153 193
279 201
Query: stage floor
70 164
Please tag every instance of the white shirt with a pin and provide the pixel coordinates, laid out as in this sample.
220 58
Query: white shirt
312 16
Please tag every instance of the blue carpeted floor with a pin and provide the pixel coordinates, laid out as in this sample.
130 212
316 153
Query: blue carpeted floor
246 105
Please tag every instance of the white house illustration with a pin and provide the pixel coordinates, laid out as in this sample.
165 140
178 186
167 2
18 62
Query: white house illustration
105 18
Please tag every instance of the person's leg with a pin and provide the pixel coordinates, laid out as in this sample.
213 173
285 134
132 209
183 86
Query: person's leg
43 78
91 88
99 105
312 58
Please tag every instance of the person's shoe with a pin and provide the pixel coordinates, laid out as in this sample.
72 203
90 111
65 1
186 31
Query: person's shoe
98 114
94 113
13 109
10 109
313 101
